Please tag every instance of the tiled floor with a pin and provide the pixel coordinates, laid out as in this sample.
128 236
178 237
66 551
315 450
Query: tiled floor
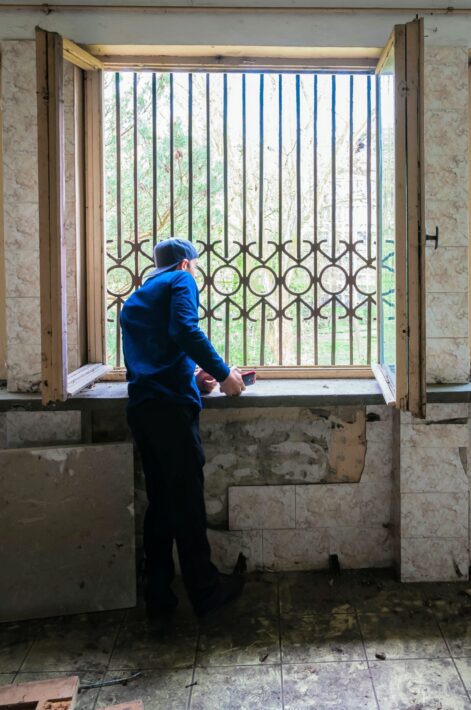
353 642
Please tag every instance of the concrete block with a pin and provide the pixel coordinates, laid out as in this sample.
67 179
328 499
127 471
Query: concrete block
261 507
67 522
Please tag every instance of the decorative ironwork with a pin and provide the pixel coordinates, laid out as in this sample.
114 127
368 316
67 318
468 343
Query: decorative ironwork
271 176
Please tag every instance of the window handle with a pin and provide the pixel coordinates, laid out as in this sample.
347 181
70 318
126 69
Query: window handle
433 237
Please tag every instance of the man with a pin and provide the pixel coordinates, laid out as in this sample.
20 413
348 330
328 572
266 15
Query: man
162 343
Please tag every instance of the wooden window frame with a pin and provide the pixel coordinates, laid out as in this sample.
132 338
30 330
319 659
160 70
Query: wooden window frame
410 393
57 383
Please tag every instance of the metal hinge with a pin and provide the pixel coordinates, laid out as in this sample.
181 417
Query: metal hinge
403 89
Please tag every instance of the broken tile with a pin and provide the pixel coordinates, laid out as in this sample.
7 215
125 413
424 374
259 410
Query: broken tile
432 683
320 638
228 642
236 687
328 685
409 634
166 689
86 698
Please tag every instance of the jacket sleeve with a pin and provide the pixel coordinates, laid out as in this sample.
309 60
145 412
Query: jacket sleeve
185 331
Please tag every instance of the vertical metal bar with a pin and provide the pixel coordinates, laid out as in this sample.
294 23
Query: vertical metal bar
226 201
118 164
298 331
172 167
316 266
298 167
262 332
334 212
208 198
154 158
350 218
280 218
190 157
244 213
227 338
137 279
260 181
369 324
119 305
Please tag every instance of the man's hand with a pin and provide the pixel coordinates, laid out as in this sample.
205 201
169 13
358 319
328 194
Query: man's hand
233 385
205 382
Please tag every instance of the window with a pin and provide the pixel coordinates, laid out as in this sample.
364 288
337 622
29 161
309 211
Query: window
273 176
280 178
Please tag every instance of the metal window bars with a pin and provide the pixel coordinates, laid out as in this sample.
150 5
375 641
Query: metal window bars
272 177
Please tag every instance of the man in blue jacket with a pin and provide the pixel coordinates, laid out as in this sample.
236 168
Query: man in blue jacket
162 343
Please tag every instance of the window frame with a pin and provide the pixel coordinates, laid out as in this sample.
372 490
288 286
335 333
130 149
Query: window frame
53 283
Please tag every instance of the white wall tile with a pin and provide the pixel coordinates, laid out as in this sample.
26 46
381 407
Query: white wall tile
432 560
434 515
260 507
295 549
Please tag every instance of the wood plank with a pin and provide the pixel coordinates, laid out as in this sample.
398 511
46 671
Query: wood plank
280 373
3 326
210 63
79 128
94 218
388 394
51 201
41 694
85 376
401 394
415 220
80 57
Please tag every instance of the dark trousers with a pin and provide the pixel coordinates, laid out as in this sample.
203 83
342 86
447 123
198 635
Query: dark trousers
169 442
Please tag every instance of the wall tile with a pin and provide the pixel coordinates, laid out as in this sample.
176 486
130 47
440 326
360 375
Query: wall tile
440 125
438 413
439 470
446 269
447 360
446 178
434 515
22 273
226 545
432 560
451 218
328 505
378 461
434 435
446 78
439 307
295 549
260 507
359 548
23 344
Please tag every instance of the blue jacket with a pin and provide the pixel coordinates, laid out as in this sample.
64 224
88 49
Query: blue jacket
162 341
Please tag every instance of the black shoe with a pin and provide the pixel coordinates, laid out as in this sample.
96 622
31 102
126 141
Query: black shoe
230 588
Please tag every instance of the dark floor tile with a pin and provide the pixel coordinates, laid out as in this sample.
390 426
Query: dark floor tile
382 593
15 642
77 643
143 644
158 689
237 688
457 632
315 593
412 634
431 684
86 698
259 598
334 637
6 678
328 686
238 641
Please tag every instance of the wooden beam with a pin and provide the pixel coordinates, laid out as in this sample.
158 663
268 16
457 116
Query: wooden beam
85 376
51 229
415 219
281 373
236 64
402 326
94 218
3 326
80 57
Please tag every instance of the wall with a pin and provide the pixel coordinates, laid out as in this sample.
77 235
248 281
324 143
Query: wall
268 467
